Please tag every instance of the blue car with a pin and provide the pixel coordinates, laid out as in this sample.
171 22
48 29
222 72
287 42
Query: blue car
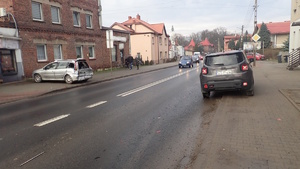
186 61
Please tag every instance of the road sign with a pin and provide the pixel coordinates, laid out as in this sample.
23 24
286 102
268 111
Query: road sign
255 37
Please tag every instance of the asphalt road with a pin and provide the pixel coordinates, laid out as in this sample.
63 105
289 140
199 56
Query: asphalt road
152 120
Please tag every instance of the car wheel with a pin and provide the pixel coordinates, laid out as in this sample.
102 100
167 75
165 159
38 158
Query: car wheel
179 67
206 95
37 78
68 79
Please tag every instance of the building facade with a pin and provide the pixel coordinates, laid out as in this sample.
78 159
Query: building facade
62 29
147 41
295 25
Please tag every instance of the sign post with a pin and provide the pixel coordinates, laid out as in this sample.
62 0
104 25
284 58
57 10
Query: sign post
255 38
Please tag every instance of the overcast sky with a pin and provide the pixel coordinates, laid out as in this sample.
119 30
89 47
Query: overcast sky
192 16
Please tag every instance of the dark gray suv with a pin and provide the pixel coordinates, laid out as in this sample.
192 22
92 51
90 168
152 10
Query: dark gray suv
226 71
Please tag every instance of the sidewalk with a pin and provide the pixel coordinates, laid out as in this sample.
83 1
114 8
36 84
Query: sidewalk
10 92
256 132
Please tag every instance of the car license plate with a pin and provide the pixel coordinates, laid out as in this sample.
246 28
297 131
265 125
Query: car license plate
224 72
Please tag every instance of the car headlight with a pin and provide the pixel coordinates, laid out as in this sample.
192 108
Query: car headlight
179 62
187 62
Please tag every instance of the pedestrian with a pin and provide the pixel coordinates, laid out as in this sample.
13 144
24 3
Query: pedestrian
137 62
130 60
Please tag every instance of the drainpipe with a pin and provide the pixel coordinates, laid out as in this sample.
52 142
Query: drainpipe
100 13
16 25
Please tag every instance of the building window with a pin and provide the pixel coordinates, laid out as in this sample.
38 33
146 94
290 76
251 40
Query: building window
160 40
91 52
165 41
79 52
41 53
8 62
76 18
57 52
55 14
114 54
153 40
88 19
37 11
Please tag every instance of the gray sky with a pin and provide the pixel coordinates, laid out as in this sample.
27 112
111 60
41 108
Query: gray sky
192 16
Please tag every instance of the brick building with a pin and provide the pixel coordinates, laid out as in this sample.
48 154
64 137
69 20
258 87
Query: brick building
50 30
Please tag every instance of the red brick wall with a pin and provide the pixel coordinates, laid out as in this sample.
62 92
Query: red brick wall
44 31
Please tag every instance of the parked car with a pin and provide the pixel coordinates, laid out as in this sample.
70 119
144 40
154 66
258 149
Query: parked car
196 58
64 70
186 61
225 72
200 57
250 56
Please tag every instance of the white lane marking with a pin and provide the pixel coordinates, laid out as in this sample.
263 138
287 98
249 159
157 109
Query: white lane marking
32 158
152 84
51 120
96 104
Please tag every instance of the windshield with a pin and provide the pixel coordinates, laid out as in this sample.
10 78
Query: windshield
185 58
224 60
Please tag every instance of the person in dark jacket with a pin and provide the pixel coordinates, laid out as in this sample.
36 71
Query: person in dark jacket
130 61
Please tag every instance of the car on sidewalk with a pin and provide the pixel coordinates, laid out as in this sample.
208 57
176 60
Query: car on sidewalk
186 61
64 70
226 71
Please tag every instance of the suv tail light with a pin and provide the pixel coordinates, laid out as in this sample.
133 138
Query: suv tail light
245 67
204 70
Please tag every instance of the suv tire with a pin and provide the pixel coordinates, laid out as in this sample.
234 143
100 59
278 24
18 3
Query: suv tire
206 95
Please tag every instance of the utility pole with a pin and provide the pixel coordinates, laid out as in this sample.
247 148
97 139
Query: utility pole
254 32
241 45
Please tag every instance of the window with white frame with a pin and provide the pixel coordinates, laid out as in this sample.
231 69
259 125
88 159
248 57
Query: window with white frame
76 18
91 52
55 14
79 53
41 52
88 19
37 13
57 52
114 54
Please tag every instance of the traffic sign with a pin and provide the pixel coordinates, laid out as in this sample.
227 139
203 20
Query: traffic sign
255 37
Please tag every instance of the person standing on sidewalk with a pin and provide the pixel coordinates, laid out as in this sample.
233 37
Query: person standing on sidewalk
137 62
130 61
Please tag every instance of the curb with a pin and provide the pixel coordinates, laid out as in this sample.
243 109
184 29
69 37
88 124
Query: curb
284 92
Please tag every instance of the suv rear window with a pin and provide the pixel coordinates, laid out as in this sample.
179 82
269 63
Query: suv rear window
224 60
83 65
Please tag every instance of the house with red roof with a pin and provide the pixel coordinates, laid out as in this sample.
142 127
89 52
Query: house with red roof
207 46
280 32
148 41
189 49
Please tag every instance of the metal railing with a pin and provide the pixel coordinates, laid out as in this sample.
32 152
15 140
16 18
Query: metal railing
294 59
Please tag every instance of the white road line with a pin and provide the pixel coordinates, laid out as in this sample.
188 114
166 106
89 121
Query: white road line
96 104
152 84
51 120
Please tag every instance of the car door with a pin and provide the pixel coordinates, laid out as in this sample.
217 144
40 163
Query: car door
60 71
48 72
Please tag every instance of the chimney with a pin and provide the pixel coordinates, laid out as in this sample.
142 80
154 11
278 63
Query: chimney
129 17
138 17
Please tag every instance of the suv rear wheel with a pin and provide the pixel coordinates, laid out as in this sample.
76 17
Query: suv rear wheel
206 95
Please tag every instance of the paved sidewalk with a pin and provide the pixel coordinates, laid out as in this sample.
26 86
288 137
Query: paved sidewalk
265 134
10 92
